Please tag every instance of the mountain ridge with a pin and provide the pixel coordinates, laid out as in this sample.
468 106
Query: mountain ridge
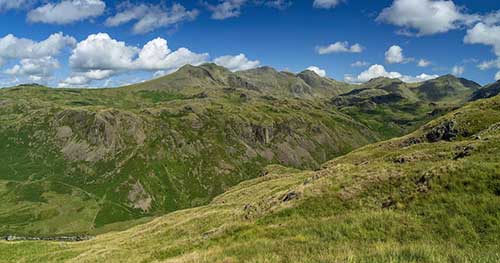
94 160
429 196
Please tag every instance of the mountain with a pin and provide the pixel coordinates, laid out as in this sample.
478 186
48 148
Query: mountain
430 196
265 80
87 161
91 160
446 88
488 91
393 107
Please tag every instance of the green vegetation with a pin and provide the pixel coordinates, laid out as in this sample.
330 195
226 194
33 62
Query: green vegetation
430 196
87 161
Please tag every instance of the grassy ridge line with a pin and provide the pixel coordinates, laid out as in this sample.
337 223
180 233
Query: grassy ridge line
411 199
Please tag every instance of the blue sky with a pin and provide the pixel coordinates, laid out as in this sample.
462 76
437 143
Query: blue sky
94 43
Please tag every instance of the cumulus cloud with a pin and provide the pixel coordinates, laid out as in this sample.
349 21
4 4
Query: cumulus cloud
35 67
34 60
12 47
326 4
484 34
100 51
458 70
339 47
236 63
423 63
487 33
150 17
394 55
425 17
67 11
100 56
320 72
376 71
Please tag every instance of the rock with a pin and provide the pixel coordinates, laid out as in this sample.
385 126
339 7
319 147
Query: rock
446 131
464 152
262 134
139 198
290 196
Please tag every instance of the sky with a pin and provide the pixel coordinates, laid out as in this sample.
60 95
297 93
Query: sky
105 43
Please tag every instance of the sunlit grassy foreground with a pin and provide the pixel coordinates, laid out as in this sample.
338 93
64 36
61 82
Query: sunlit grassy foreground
404 200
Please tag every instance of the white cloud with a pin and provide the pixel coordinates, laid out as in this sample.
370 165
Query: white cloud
360 64
484 34
34 60
497 76
278 4
84 78
151 17
77 80
39 67
426 17
159 73
423 63
339 47
67 11
394 55
236 63
14 4
491 18
458 70
376 71
232 8
227 9
419 78
320 72
12 47
326 4
485 65
99 57
100 51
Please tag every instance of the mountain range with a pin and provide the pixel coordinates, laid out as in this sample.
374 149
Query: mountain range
206 164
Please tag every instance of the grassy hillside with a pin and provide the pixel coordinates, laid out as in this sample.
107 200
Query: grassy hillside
486 92
430 196
92 161
392 107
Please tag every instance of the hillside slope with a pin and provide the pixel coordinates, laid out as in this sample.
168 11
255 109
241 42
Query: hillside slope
91 161
430 196
487 91
94 160
393 107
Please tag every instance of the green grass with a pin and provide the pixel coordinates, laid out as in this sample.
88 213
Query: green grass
92 146
386 202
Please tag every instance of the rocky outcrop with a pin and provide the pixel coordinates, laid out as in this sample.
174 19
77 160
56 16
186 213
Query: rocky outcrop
446 131
84 135
139 198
